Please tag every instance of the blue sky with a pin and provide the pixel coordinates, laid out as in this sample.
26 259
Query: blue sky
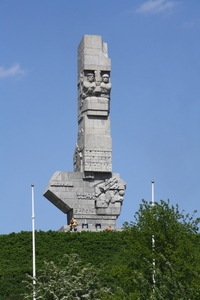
155 100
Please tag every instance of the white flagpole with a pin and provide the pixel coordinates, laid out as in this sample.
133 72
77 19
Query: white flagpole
153 239
33 240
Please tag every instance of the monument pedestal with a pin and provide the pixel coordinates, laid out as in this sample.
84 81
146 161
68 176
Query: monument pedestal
96 202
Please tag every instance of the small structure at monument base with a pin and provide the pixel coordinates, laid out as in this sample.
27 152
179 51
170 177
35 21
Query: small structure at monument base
92 194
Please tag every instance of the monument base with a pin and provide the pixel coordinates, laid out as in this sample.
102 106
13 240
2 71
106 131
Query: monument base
66 228
95 203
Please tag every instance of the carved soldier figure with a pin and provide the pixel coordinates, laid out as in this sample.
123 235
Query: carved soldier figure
88 86
77 158
105 86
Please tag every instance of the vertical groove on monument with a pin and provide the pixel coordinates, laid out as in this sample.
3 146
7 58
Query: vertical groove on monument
92 193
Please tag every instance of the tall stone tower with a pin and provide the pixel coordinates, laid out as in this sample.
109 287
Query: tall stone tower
92 194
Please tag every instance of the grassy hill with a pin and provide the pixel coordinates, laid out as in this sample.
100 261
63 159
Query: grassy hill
125 257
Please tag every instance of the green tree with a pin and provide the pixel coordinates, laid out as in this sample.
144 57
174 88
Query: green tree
69 280
176 254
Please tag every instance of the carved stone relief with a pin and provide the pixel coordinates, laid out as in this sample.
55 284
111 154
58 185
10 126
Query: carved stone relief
80 133
78 158
95 84
88 86
105 86
110 191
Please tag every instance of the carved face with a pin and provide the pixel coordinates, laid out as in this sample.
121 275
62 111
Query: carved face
105 78
90 77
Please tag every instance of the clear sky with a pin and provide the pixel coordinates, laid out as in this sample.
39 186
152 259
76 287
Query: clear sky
154 46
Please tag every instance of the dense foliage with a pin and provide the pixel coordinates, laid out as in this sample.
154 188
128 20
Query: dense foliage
176 255
70 280
16 254
125 258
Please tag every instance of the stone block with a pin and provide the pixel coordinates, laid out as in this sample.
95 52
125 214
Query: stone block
98 142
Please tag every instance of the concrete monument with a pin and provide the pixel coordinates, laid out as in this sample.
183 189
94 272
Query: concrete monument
91 194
